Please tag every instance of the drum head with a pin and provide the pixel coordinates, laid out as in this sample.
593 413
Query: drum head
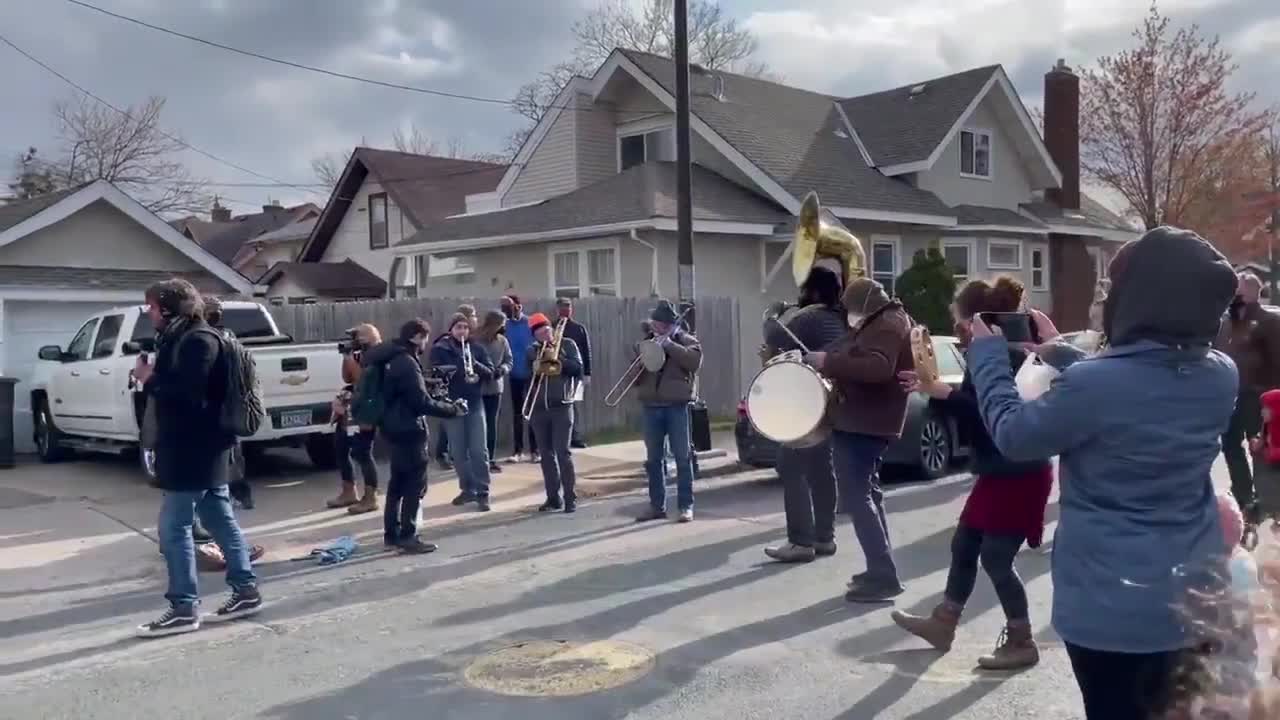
787 400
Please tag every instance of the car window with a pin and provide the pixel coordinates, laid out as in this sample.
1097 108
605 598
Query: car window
143 329
108 334
79 347
949 362
248 322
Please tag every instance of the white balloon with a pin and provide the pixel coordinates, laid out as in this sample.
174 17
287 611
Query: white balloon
1034 377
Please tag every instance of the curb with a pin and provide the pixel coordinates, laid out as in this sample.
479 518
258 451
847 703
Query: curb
637 466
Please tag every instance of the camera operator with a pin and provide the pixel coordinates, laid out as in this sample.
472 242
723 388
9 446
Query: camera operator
352 439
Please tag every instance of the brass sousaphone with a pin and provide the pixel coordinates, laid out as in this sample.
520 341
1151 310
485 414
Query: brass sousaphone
818 238
922 352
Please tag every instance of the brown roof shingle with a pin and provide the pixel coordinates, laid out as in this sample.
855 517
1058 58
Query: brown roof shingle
344 279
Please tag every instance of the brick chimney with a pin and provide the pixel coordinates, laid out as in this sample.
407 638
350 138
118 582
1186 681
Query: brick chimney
1062 132
219 213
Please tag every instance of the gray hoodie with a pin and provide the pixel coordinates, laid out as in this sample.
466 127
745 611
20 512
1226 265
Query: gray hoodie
499 352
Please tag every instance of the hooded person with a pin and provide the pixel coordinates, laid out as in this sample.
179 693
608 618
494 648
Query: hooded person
869 413
1136 428
809 485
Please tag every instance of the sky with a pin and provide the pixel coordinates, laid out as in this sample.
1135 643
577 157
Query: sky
274 120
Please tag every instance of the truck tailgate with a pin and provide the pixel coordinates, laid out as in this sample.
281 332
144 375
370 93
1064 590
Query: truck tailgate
298 384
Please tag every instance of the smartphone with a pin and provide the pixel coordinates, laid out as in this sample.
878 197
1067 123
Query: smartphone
1016 327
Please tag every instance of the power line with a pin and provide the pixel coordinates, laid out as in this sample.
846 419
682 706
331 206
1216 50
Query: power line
337 74
126 114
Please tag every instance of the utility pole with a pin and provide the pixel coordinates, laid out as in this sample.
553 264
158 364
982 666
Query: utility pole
684 168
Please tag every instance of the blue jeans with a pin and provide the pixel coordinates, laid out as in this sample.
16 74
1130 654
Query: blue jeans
856 459
669 423
468 444
177 513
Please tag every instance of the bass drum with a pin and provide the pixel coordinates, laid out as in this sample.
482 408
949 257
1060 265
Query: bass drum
787 402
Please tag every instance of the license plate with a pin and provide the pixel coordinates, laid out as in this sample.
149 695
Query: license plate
295 419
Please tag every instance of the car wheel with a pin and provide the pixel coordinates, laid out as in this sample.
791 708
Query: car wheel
935 446
321 451
48 439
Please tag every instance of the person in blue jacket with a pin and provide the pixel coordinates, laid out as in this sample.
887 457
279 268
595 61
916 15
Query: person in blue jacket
468 367
520 337
1137 429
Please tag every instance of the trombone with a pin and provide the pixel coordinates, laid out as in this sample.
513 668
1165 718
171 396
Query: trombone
546 365
650 357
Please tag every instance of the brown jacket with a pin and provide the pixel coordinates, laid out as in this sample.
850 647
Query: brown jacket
674 383
1253 342
864 369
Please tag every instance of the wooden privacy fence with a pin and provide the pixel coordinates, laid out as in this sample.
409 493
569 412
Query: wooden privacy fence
613 325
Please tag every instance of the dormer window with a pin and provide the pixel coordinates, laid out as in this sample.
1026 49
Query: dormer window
975 154
644 145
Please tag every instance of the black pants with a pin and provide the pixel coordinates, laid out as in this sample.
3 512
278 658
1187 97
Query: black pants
996 552
808 494
554 426
1246 422
441 452
1125 686
239 483
358 447
404 490
520 386
491 405
577 424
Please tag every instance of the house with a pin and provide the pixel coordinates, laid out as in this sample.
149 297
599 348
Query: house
299 283
955 162
226 235
259 254
381 198
70 254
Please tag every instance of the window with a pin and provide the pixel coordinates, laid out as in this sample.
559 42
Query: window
949 362
959 257
108 334
79 347
1100 263
975 153
584 273
1004 255
247 322
636 148
143 329
277 301
378 238
884 263
432 270
1039 267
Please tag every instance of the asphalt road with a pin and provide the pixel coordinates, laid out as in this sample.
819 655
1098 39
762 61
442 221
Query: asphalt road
707 628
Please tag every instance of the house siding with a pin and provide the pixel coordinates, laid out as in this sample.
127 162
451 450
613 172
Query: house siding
552 168
597 139
1009 184
351 239
98 236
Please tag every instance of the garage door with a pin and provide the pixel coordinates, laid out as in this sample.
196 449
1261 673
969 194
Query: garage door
29 325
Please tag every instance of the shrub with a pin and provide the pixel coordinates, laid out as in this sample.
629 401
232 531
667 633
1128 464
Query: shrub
926 290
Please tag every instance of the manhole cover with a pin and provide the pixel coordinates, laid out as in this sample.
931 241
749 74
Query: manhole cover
545 668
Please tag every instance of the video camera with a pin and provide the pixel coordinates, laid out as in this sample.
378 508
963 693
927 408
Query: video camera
353 343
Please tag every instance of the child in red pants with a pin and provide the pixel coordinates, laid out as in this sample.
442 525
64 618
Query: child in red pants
1266 462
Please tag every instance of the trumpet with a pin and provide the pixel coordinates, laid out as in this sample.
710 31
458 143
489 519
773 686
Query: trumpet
650 357
546 365
468 365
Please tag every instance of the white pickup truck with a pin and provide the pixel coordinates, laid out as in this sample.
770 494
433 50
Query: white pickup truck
84 398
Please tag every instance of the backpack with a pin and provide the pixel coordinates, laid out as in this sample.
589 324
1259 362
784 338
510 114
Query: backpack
242 412
367 403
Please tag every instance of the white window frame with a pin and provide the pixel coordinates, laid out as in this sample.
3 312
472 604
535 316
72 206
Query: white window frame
994 242
971 249
1099 261
640 127
991 142
896 242
583 275
1043 249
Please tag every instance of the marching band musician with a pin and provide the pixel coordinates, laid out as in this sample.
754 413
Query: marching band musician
666 395
870 412
809 485
468 441
552 418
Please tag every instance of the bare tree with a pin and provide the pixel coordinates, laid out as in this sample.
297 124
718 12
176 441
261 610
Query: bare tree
1153 120
328 167
130 150
32 177
716 42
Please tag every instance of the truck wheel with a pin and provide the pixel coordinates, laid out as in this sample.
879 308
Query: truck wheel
321 451
48 439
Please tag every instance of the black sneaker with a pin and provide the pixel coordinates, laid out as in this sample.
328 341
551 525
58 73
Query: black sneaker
652 513
414 546
482 503
463 499
874 591
549 505
172 622
242 603
571 507
495 467
577 445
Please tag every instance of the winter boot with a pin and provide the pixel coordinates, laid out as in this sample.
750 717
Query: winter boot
346 498
1015 649
368 503
938 628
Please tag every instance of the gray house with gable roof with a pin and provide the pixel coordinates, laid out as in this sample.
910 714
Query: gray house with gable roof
588 205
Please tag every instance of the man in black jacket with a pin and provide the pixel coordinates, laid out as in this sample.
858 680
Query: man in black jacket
406 405
576 332
188 385
552 418
809 484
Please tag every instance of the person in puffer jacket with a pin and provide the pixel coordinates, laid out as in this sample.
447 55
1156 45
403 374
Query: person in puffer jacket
552 418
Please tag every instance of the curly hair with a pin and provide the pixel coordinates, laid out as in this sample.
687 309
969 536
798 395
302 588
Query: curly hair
978 296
